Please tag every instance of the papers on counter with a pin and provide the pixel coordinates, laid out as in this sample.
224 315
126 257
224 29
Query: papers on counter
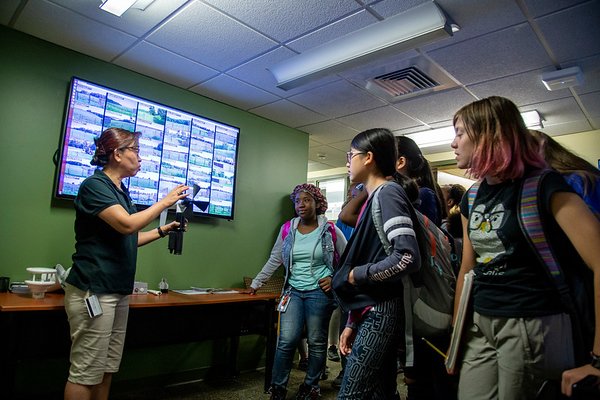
199 290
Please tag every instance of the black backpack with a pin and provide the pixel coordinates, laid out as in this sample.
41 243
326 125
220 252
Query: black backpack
430 291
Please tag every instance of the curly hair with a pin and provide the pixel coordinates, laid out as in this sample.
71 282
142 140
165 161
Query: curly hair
316 194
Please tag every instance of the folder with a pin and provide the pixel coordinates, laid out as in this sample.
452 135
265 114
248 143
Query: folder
459 324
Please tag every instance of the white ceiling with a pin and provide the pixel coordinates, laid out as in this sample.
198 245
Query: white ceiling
222 49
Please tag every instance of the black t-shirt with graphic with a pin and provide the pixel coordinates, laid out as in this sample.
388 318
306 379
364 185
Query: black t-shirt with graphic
509 280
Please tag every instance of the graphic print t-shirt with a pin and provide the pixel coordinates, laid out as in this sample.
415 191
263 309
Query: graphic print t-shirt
509 280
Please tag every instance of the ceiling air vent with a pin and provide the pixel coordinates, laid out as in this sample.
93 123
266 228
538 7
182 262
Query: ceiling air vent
404 82
399 80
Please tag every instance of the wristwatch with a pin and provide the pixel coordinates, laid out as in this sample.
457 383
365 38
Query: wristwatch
595 360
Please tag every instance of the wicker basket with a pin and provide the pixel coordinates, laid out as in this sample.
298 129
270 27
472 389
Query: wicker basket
273 285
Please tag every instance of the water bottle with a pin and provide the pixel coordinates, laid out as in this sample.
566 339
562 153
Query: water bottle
163 285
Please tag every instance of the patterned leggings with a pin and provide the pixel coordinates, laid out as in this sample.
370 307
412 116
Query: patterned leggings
371 369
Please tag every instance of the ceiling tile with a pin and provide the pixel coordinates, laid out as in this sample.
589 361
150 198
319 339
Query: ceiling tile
342 146
161 64
314 166
558 111
522 89
223 49
590 67
387 117
332 157
389 8
312 142
47 21
492 56
287 19
288 113
478 17
337 99
569 32
541 7
591 104
230 91
7 10
255 72
435 107
134 21
210 38
332 31
330 132
581 125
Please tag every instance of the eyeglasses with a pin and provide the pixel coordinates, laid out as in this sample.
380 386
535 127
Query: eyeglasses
350 155
135 149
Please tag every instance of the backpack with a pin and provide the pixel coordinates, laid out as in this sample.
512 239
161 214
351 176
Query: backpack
330 226
430 291
575 285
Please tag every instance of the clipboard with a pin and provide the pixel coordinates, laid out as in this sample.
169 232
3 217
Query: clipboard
459 324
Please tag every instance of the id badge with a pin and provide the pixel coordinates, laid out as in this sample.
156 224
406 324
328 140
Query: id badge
284 302
93 306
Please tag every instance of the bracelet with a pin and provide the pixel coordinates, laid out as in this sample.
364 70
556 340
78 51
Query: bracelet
160 232
595 360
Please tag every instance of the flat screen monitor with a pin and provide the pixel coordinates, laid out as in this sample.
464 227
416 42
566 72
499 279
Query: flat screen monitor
175 147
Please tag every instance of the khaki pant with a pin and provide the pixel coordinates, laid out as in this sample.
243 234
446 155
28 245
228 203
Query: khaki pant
96 343
509 358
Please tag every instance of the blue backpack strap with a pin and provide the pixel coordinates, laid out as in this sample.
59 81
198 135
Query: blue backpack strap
471 195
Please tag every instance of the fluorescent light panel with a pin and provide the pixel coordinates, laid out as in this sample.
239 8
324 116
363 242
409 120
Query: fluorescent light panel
445 135
117 7
407 30
433 137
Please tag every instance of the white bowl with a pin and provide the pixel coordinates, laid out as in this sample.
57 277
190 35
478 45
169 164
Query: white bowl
38 289
44 280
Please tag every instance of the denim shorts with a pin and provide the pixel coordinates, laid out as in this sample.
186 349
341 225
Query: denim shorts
96 343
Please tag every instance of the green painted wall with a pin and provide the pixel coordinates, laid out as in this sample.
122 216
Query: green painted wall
37 230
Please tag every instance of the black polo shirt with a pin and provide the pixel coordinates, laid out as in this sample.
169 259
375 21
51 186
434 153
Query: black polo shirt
104 260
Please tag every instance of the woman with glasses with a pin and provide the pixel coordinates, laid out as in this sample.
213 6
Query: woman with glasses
368 282
107 235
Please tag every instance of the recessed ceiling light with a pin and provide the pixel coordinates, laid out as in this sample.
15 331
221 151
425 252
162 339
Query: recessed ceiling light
117 7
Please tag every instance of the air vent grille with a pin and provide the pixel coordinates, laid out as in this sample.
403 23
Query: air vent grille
404 81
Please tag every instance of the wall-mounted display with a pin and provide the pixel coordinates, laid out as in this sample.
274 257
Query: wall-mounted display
175 146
